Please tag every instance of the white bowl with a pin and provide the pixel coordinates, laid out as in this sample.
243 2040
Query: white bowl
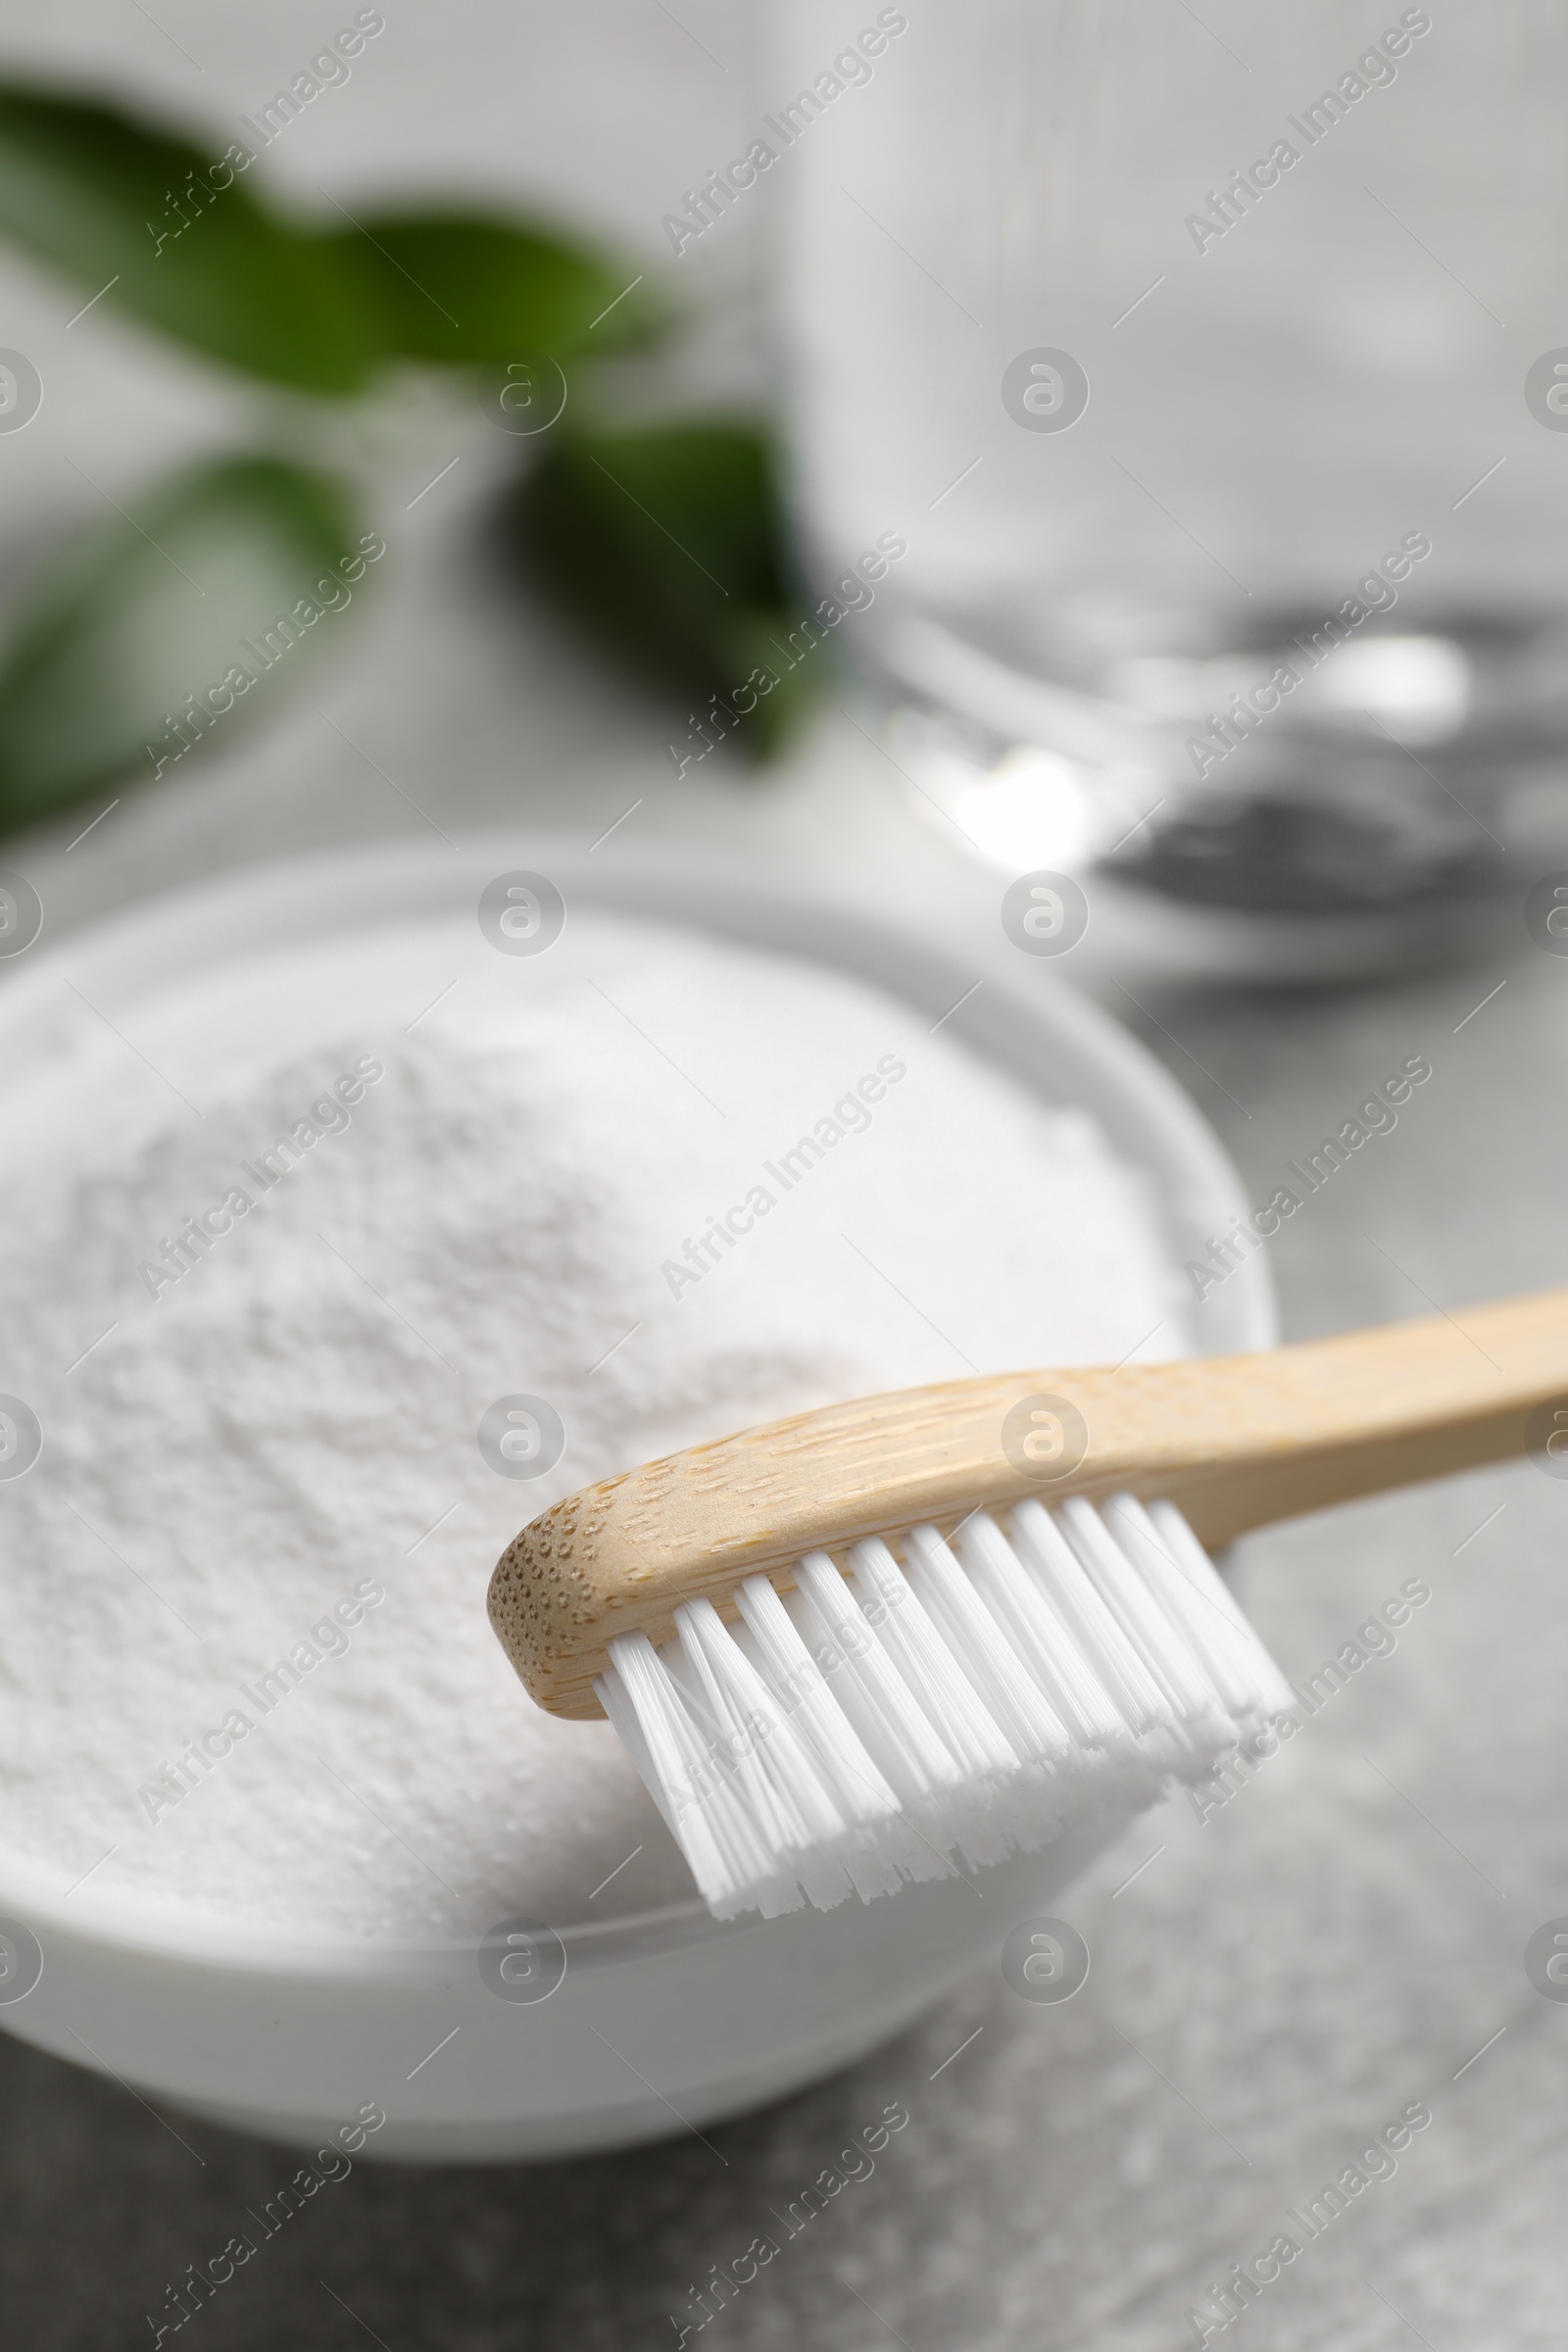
665 2019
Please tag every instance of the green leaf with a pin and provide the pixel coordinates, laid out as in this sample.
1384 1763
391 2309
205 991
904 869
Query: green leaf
165 629
454 289
669 549
173 233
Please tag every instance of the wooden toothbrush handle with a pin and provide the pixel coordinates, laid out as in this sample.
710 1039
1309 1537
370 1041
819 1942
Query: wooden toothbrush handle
1236 1440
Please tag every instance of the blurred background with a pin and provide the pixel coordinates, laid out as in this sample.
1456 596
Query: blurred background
701 431
468 109
566 492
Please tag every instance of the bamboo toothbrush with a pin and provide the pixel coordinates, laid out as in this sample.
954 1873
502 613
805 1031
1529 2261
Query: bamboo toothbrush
834 1668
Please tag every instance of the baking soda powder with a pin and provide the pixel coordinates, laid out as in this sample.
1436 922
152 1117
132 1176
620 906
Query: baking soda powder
366 1308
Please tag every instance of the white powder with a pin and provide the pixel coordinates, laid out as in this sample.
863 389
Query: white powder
292 1423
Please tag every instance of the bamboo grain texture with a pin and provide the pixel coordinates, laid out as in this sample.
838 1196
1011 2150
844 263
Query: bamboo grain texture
1235 1441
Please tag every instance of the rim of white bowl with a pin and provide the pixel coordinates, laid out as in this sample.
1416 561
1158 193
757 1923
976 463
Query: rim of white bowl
1087 1059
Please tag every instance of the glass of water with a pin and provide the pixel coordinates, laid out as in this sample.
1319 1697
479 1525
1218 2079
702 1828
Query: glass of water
1213 363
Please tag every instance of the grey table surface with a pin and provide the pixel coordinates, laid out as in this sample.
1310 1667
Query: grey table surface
1271 1985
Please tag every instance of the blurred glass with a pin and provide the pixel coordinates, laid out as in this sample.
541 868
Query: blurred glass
1214 364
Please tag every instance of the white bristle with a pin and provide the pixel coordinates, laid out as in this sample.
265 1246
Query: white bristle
782 1786
981 1650
1276 1697
965 1701
1058 1572
798 1679
1147 1621
921 1645
868 1685
1027 1616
